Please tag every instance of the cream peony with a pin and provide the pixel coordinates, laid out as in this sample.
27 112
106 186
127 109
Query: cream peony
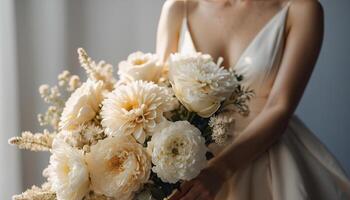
178 152
136 109
199 83
67 172
82 106
118 167
140 66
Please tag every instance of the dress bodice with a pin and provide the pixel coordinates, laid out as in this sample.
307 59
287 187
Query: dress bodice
258 63
260 60
290 168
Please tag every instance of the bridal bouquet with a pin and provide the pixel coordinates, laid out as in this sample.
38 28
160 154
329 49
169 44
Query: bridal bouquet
135 137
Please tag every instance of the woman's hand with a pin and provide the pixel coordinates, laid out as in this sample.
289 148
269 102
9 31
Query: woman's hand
204 187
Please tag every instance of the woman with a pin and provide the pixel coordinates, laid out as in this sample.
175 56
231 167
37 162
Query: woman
274 44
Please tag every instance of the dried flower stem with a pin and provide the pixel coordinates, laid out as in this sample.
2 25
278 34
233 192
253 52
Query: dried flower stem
33 142
36 193
100 71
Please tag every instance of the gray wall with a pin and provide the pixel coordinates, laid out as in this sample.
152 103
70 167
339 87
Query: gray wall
325 107
50 31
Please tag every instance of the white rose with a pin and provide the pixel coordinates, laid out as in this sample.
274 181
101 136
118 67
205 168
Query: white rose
178 152
118 167
67 172
140 66
199 83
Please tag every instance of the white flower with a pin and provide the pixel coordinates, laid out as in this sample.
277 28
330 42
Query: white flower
135 109
73 138
44 90
222 127
92 134
118 167
67 172
178 152
140 66
199 83
74 83
82 106
100 71
83 135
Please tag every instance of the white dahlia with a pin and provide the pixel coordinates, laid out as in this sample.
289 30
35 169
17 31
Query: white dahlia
136 109
178 152
140 66
118 167
67 172
82 106
199 83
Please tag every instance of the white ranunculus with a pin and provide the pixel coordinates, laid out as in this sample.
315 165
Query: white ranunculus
67 172
136 109
199 83
178 152
82 106
118 167
140 66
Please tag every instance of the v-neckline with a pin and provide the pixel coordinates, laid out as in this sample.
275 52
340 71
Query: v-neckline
245 50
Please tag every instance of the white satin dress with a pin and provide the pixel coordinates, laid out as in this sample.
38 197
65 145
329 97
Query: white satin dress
298 166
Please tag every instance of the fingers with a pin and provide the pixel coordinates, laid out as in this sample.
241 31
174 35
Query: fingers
184 188
205 197
175 196
192 194
198 192
192 190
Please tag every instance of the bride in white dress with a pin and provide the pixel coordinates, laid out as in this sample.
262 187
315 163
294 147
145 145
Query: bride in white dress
274 44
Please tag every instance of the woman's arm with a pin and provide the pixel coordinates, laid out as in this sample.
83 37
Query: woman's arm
303 44
169 28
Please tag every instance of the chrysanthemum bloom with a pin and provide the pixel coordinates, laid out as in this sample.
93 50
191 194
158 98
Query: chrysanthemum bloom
199 83
118 167
67 172
82 106
178 152
136 109
140 66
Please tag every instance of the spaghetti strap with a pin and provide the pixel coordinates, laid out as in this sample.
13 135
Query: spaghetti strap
288 4
185 11
185 36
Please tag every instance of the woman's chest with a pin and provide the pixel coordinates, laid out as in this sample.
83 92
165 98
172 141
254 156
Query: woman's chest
227 34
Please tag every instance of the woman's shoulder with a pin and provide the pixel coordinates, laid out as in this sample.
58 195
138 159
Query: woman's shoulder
174 7
302 11
178 7
306 5
172 14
